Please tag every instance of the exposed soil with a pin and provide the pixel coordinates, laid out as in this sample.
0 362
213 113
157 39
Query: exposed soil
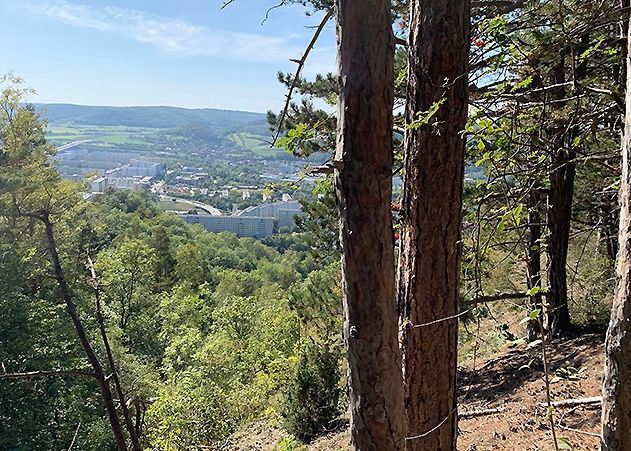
511 381
506 382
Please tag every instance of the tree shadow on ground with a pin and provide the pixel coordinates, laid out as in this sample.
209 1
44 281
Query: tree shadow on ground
503 375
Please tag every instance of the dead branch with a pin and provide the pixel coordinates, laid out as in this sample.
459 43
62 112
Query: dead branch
504 6
110 356
430 323
475 301
74 439
327 168
54 373
499 297
574 402
479 413
578 431
301 62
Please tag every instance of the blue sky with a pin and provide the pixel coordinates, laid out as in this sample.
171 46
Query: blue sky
187 53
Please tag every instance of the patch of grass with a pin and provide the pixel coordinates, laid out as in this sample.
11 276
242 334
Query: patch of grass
63 130
115 135
120 139
257 144
64 138
175 206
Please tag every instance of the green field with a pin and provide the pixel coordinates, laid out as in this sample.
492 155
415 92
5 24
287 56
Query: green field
121 139
115 135
257 144
60 134
169 205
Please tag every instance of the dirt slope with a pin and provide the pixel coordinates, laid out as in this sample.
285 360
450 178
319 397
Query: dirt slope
512 383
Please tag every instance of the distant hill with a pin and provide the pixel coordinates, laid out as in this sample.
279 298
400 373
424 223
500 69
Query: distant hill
152 117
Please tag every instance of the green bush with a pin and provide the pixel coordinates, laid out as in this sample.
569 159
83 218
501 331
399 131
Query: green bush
313 398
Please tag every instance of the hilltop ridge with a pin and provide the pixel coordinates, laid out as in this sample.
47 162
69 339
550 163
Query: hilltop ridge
149 116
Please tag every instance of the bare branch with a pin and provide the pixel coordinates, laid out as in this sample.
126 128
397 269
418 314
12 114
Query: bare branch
301 63
479 413
282 3
506 6
499 297
400 41
226 3
74 439
53 373
574 402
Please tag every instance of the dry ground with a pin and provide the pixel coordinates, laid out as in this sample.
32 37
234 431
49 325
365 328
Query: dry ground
512 381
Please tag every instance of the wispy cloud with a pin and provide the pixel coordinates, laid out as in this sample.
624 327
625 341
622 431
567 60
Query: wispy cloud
170 35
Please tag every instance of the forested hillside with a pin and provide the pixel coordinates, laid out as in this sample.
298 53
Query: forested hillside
148 116
102 301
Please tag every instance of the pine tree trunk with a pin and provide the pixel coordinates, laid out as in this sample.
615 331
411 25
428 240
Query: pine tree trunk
431 219
559 219
562 175
559 215
616 406
363 182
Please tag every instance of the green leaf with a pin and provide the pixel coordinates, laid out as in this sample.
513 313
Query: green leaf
535 313
522 84
549 411
517 213
563 443
424 117
533 291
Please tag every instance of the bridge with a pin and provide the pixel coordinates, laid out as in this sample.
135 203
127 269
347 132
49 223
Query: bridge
72 144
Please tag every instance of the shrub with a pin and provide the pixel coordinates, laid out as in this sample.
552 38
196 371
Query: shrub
313 397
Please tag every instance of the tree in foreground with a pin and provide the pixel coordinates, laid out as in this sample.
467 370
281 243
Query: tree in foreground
436 110
616 405
32 194
363 184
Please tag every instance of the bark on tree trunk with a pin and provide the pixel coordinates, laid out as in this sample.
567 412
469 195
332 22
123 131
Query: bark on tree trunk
71 307
559 218
562 175
559 211
431 219
616 405
363 183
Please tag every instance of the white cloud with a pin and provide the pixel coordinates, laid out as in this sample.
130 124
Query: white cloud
170 35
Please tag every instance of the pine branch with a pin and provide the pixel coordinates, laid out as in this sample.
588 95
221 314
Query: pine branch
301 62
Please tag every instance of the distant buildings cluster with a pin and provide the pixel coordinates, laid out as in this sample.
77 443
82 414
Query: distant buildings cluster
124 170
255 227
118 170
256 222
283 212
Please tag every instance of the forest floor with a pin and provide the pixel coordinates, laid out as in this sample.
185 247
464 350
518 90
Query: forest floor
512 382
